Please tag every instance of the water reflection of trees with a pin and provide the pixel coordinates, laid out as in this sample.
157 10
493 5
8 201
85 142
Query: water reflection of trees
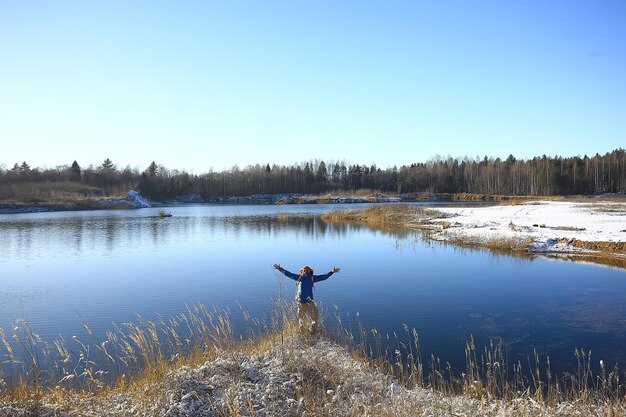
28 237
309 226
24 237
495 255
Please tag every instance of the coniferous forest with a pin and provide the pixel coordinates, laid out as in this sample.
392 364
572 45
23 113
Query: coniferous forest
539 176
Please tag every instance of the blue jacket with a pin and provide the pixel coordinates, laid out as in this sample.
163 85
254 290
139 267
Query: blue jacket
304 292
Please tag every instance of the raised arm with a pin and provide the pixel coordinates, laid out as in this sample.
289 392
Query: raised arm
286 273
324 277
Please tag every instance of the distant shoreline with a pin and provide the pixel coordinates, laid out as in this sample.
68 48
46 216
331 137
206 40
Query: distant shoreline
121 202
295 198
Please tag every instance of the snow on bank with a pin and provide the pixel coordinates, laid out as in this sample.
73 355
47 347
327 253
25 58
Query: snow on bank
551 225
136 200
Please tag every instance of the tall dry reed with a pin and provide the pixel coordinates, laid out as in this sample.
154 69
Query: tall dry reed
140 352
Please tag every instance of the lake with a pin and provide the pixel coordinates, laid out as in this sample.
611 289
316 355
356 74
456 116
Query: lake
102 267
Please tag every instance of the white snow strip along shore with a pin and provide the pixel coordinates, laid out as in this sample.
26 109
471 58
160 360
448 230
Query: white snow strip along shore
547 223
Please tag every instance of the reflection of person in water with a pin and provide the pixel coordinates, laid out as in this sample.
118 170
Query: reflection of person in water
304 293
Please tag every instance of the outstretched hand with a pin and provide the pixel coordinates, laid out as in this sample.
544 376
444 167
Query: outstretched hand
276 266
335 269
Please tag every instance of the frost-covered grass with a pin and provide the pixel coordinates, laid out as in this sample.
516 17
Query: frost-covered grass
193 364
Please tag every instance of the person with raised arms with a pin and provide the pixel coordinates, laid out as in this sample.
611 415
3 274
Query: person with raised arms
305 281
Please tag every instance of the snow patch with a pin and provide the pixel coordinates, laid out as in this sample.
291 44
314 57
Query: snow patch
136 200
550 225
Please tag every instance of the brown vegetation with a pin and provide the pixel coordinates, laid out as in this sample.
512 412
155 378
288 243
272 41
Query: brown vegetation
611 247
275 371
47 192
385 216
501 245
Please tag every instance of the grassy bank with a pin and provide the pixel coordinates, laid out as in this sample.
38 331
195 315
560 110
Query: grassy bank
58 196
195 364
388 217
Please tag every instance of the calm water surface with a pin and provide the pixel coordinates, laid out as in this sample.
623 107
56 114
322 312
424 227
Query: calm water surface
105 266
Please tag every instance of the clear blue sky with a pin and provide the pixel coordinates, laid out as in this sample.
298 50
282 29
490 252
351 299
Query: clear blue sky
204 84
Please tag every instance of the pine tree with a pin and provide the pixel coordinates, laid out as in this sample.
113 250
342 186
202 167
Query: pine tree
153 169
75 172
107 165
322 172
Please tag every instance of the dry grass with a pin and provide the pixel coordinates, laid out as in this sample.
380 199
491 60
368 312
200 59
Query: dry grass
47 192
136 349
616 198
496 244
384 216
133 360
615 208
517 200
612 247
363 192
327 378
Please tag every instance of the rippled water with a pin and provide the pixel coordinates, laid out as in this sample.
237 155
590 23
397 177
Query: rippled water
57 269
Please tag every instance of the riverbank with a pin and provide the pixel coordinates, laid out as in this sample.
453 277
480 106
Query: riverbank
593 230
288 374
131 200
75 202
137 201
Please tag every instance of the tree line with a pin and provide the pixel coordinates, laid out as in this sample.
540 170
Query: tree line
538 176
